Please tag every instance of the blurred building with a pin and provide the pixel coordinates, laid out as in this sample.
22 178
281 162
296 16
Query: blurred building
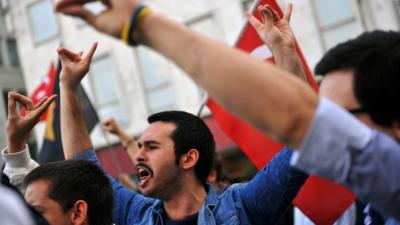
131 83
10 72
321 24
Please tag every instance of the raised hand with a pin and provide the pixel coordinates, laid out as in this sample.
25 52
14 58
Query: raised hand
74 66
111 126
19 127
110 21
274 31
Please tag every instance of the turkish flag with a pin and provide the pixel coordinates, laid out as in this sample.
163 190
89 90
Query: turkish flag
321 200
44 89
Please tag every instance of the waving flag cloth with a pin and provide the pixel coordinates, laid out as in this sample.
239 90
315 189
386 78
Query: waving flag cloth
52 146
45 88
322 201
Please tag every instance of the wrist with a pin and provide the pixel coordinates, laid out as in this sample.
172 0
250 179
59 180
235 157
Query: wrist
283 49
70 80
286 54
126 143
118 130
14 147
129 28
67 87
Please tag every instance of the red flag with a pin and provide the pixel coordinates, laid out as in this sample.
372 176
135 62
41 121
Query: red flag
321 200
45 88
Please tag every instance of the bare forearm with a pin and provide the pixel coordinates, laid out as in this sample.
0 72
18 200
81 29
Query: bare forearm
122 135
256 89
74 134
128 142
289 60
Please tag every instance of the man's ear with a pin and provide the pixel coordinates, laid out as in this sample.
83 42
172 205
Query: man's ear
189 159
396 130
79 213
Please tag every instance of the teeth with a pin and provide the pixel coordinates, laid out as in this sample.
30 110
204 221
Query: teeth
143 173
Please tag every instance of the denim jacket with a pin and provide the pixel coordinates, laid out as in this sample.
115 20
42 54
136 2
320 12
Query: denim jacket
260 201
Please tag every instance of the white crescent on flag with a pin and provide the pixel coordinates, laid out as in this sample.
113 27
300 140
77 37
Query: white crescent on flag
261 52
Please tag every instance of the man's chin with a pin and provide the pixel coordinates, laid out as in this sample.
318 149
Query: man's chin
149 193
146 190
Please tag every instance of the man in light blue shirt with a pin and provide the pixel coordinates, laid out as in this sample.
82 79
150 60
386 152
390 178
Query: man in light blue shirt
362 76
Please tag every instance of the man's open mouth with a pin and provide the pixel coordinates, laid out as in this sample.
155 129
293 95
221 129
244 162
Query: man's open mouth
144 173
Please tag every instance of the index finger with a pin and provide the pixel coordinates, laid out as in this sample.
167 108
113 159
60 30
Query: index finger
88 57
288 12
25 101
42 108
66 3
12 107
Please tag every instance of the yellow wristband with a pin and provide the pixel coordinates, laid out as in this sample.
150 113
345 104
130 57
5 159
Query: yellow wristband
145 11
125 32
138 14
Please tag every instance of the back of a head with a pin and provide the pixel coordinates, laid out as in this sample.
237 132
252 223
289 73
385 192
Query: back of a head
191 133
349 54
73 180
374 58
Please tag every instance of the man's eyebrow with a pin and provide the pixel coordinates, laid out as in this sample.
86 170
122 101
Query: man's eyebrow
149 142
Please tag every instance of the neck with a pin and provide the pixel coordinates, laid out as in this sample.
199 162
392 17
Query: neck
186 201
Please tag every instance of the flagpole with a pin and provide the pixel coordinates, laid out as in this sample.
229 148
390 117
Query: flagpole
203 104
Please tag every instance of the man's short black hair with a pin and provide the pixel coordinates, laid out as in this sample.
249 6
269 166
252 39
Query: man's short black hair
73 180
191 133
374 58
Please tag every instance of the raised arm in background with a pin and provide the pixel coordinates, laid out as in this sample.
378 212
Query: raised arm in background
19 127
278 36
215 66
74 134
16 154
127 142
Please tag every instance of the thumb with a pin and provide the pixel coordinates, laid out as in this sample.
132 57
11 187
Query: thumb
88 57
288 12
43 106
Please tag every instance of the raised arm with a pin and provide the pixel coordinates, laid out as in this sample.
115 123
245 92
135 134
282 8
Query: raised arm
277 34
127 142
216 66
16 155
74 134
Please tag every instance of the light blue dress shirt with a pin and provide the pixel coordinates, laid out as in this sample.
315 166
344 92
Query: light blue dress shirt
341 148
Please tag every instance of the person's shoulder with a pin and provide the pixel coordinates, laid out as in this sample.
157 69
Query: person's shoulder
382 141
12 209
